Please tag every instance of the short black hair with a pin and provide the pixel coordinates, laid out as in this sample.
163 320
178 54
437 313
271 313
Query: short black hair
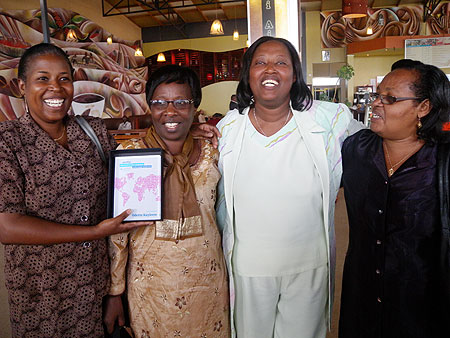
301 97
405 63
39 50
432 84
177 74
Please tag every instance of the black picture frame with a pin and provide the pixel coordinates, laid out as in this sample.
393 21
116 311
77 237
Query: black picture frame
124 164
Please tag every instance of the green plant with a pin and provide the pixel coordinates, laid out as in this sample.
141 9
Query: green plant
324 97
346 72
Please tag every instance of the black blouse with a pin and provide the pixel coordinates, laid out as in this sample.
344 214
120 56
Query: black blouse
390 286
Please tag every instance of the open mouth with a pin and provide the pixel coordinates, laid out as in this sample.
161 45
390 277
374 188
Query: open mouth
171 125
54 103
375 116
270 83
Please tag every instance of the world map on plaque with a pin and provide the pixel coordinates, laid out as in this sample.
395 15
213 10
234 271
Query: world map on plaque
137 186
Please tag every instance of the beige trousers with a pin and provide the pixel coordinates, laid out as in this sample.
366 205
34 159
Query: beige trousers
292 306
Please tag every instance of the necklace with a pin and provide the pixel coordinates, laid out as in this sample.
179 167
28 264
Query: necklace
391 169
259 126
62 135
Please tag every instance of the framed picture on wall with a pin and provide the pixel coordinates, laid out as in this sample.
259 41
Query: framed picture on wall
325 55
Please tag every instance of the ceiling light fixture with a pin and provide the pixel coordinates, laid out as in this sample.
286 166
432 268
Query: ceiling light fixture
138 52
216 27
354 8
236 32
161 57
71 36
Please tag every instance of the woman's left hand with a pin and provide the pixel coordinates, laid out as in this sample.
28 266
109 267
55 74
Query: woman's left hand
207 131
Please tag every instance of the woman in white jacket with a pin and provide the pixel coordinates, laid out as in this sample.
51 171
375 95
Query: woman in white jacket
281 168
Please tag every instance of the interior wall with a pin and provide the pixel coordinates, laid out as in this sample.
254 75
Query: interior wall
211 44
216 97
314 45
369 67
118 25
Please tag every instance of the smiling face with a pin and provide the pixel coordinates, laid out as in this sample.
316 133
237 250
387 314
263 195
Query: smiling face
172 124
48 89
398 121
271 74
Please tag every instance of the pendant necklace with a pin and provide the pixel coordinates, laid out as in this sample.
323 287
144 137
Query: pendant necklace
391 169
259 126
62 135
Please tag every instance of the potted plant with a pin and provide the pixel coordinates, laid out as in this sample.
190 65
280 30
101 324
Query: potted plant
345 73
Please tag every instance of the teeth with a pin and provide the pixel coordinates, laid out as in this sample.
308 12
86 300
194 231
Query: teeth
54 102
270 83
375 116
171 125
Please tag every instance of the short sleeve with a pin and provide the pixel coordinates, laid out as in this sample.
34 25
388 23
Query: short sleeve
12 178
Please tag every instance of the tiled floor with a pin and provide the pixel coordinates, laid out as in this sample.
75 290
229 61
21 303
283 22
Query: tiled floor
341 239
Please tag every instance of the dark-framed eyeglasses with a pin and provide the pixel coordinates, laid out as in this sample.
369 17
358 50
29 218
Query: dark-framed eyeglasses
159 105
389 99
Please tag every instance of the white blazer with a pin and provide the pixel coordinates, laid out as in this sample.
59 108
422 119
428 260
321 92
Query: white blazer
323 128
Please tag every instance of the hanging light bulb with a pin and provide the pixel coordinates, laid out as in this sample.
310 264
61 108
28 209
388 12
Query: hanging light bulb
138 52
109 40
369 30
236 35
236 32
71 36
216 28
161 57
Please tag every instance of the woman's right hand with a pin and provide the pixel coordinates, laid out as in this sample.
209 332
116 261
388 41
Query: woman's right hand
204 130
116 225
113 313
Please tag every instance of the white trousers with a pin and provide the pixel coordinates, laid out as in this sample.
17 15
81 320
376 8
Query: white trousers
292 306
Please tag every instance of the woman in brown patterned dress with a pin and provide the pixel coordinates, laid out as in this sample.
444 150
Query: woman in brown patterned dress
174 271
52 207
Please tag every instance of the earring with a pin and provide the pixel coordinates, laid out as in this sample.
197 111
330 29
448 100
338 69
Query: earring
252 100
419 124
26 104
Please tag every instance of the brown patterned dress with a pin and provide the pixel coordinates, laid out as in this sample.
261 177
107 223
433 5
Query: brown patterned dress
55 290
176 289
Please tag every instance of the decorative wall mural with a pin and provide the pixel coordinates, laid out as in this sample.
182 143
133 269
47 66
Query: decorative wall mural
439 20
110 70
397 21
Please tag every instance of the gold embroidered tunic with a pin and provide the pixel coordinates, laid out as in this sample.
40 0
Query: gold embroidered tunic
176 288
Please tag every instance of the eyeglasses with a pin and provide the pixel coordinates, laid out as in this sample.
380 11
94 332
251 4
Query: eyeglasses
181 105
388 99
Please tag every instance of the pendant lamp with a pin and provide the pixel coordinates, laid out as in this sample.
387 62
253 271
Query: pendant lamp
354 8
161 57
138 52
71 36
236 32
216 28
